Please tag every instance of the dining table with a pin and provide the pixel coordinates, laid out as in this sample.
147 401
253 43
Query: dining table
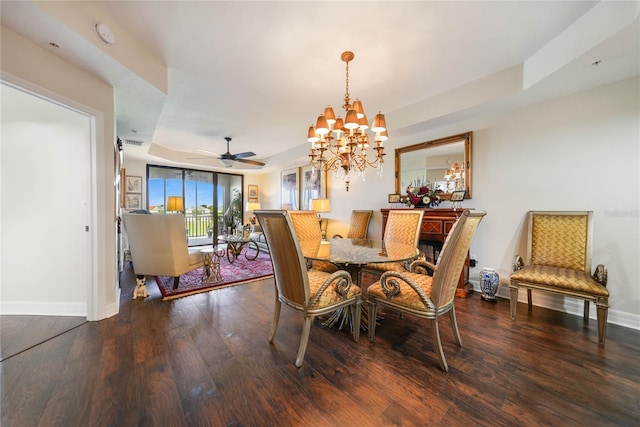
352 255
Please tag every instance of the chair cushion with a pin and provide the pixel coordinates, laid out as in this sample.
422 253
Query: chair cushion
562 278
387 266
330 296
406 296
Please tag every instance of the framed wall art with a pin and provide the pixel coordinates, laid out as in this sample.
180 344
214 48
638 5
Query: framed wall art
133 201
133 184
290 193
394 198
313 185
253 193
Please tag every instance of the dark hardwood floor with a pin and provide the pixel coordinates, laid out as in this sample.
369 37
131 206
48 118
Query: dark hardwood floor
205 360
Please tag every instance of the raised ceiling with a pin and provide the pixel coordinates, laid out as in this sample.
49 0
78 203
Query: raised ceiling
189 73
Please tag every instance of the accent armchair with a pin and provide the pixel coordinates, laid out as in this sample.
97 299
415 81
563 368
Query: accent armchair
312 293
429 297
158 245
559 262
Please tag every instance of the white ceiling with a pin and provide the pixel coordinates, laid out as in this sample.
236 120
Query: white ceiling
188 73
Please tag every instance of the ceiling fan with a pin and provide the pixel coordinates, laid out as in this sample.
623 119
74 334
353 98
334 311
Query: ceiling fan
227 158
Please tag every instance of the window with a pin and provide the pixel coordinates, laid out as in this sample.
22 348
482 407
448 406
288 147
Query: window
209 198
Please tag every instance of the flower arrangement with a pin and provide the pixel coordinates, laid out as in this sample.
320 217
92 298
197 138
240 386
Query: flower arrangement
423 193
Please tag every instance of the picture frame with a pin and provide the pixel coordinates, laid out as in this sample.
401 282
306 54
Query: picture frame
133 184
313 185
457 196
394 198
133 201
252 191
123 177
290 189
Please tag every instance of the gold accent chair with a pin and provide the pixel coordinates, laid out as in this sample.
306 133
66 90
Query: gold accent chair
358 225
313 293
403 226
429 297
559 261
307 228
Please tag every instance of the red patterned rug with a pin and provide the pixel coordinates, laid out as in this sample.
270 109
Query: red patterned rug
241 271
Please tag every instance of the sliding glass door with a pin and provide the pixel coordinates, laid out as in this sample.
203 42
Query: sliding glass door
211 200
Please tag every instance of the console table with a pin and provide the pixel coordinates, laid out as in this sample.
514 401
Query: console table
436 224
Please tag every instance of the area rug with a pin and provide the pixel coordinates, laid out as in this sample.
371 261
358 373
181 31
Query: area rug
241 271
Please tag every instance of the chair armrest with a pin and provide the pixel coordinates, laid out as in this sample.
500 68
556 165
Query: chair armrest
422 266
600 274
391 287
518 263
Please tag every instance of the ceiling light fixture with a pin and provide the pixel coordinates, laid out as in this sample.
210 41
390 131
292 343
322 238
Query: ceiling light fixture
347 157
105 33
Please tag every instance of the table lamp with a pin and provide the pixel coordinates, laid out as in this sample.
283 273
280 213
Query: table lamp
250 207
175 204
321 206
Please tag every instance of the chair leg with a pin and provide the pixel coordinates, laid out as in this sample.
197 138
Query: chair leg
529 299
513 302
435 330
454 325
355 319
373 312
276 319
586 311
304 340
603 310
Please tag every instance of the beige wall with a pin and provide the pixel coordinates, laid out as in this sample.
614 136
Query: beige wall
577 152
26 64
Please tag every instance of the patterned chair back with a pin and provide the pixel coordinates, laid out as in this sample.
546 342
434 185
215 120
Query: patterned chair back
307 229
289 267
359 224
403 226
560 239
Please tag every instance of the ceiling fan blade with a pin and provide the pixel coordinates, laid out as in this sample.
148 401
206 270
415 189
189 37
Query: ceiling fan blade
250 162
244 154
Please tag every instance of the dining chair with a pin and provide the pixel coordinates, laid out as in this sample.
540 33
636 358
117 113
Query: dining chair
358 225
403 226
559 262
313 293
307 229
418 294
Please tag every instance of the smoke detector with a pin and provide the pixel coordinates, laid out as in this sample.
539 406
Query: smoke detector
105 34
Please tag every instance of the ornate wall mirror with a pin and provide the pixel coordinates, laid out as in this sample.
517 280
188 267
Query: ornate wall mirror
445 162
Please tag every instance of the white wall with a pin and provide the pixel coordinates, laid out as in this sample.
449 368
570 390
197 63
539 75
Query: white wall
26 63
577 152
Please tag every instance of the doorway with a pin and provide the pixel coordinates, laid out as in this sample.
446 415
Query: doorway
45 179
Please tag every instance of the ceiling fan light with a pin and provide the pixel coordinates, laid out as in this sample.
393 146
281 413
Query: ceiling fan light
227 163
379 123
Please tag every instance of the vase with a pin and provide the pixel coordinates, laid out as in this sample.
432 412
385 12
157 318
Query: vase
489 281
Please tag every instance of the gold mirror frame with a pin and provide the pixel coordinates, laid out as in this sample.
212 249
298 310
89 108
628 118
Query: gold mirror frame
466 138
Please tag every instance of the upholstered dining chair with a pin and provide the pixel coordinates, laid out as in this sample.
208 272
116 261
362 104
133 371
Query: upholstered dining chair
307 229
418 294
559 262
313 293
403 226
358 225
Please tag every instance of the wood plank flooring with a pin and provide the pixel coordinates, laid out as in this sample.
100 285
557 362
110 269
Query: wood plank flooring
205 360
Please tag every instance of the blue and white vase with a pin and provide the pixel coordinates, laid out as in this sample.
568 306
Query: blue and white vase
489 281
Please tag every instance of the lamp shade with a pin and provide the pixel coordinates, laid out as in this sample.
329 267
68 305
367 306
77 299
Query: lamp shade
174 203
321 205
252 206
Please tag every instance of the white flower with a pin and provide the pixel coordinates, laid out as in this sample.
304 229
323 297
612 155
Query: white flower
426 200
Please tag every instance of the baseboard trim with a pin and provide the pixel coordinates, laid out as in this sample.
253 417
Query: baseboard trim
567 305
30 308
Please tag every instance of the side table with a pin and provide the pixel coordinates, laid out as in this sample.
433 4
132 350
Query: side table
211 268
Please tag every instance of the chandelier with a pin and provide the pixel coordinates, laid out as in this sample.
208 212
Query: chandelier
455 177
341 146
